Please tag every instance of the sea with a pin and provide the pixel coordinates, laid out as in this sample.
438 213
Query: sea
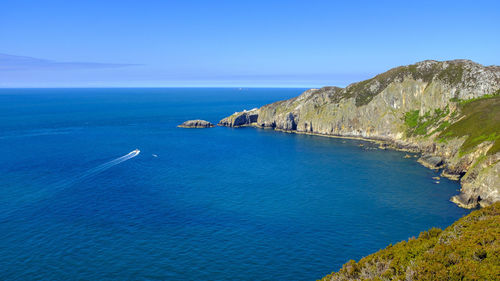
77 202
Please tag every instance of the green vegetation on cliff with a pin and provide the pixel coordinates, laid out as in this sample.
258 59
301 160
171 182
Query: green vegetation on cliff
464 102
476 119
420 125
479 122
467 250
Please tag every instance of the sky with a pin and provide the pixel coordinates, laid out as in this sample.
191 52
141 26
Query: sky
282 43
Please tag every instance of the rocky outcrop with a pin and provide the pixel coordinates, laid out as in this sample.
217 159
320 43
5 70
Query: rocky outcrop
431 162
239 119
481 184
413 107
196 124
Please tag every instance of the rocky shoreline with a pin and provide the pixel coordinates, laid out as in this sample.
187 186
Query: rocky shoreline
429 108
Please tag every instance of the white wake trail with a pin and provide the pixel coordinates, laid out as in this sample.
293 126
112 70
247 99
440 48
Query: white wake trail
58 187
103 167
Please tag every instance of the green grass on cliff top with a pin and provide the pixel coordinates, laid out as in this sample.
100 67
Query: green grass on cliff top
481 122
467 250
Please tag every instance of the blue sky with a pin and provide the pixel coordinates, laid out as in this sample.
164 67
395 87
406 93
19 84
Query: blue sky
234 43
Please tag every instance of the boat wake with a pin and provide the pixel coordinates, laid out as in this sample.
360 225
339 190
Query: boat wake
96 170
99 169
103 167
53 189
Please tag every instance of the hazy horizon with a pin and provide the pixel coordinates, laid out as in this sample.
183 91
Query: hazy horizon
54 44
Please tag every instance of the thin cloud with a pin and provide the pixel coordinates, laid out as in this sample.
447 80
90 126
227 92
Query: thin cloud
12 62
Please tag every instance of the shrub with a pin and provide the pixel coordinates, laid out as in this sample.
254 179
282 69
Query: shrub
467 250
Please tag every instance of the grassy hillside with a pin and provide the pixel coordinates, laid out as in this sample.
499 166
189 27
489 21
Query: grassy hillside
480 122
477 119
467 250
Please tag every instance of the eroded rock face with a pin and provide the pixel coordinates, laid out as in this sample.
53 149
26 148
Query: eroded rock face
196 124
481 184
431 162
239 119
378 109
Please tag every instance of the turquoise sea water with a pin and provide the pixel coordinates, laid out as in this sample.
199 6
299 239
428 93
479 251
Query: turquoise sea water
195 204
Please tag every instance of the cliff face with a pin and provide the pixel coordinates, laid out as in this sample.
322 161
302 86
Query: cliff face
426 107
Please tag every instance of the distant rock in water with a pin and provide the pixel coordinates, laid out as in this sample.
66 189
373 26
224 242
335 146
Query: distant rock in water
196 124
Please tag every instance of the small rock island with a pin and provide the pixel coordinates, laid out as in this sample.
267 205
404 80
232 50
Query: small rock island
196 124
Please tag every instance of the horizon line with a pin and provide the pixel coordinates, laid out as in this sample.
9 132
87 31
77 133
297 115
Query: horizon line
168 87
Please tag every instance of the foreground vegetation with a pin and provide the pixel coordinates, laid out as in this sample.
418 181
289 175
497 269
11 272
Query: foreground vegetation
467 250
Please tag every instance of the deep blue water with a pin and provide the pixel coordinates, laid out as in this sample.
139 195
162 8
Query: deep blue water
215 204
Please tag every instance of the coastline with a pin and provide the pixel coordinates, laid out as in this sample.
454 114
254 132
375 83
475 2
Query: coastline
397 145
445 111
384 144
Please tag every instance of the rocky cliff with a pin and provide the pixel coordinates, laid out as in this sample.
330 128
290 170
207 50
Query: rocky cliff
449 111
